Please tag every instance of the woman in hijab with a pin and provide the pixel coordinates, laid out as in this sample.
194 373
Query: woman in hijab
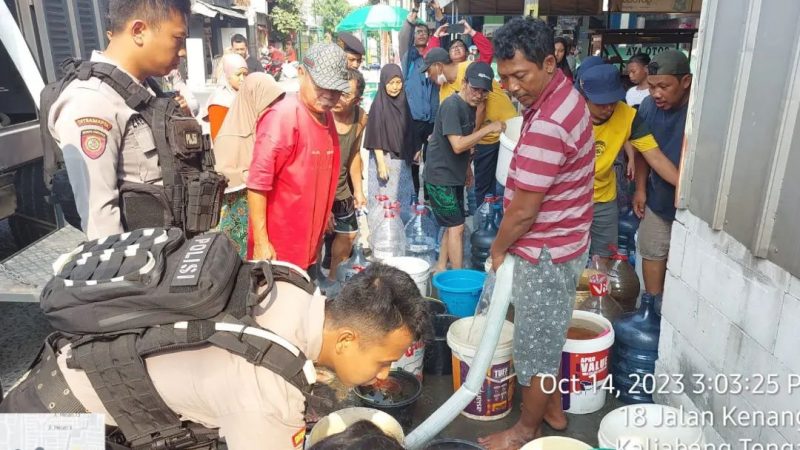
391 140
235 69
233 151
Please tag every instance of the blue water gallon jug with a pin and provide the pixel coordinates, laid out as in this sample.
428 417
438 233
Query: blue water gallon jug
483 238
635 352
628 224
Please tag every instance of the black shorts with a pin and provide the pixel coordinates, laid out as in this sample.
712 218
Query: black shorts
447 203
344 216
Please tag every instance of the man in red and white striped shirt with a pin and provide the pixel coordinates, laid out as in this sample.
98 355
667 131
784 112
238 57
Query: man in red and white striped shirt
548 203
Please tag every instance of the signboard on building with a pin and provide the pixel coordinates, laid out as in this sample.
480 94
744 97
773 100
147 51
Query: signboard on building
656 6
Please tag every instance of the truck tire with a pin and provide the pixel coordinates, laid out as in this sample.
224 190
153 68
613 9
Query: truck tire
34 217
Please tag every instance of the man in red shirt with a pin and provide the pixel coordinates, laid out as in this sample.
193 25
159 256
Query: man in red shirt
294 170
548 202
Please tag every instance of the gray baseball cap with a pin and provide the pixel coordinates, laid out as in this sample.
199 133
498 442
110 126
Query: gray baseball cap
327 66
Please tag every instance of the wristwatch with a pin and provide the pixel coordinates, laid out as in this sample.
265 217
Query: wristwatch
414 10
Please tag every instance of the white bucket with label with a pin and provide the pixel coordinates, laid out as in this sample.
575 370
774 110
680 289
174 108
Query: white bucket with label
585 362
508 141
655 427
556 443
413 360
418 269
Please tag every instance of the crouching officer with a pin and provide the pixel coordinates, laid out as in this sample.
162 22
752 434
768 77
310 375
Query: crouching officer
127 153
358 335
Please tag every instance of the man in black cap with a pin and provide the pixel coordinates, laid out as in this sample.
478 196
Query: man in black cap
448 161
664 111
353 49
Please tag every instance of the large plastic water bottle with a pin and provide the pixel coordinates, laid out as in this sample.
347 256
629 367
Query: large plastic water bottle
389 238
353 265
483 237
600 302
635 352
375 215
420 234
484 211
497 208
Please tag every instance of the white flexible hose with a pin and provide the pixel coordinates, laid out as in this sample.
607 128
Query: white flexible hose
495 317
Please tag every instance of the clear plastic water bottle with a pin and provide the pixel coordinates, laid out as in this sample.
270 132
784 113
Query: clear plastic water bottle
353 265
420 235
407 211
483 211
389 238
375 215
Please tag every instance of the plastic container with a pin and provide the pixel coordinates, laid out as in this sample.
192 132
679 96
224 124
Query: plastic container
556 443
375 214
413 360
508 141
623 282
628 224
389 239
494 400
338 421
395 396
600 301
584 362
421 232
438 357
436 306
636 351
460 290
417 268
353 265
483 237
452 444
661 429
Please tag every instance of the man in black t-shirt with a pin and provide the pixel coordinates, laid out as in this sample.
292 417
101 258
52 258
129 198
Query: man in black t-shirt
447 167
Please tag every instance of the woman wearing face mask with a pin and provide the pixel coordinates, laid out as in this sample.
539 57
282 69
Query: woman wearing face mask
235 69
233 151
390 138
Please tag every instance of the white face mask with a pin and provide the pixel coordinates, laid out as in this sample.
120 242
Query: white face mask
441 80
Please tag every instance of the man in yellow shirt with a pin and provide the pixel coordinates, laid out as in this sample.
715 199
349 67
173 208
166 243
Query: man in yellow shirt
614 123
497 108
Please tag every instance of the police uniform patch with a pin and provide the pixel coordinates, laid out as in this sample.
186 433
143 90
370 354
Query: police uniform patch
93 143
93 121
299 438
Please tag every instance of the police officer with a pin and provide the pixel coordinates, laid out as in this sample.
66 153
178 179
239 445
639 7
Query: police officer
104 142
375 318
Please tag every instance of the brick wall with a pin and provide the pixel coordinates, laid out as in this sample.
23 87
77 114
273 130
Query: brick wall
727 312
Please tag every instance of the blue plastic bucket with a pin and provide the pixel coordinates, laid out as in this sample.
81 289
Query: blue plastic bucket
460 290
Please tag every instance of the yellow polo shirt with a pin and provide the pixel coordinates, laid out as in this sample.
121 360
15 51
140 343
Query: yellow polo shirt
624 125
498 106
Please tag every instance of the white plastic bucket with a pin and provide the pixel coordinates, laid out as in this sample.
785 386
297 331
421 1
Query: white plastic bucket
655 427
556 443
508 141
493 402
338 421
585 365
417 268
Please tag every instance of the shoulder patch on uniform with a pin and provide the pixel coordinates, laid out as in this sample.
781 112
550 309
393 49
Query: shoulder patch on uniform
93 121
93 143
299 438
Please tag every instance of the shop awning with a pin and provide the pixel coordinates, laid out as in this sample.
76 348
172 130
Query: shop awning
211 10
517 7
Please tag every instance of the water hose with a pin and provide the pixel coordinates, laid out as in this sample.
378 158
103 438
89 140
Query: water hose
495 318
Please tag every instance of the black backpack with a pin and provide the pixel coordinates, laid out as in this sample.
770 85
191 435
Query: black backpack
122 298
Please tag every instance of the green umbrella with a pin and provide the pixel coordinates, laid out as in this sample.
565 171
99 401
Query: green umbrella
374 17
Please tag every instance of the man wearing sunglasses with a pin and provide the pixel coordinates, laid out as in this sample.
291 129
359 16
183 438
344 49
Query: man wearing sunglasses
447 168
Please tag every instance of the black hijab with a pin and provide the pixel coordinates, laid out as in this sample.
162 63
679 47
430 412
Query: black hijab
390 127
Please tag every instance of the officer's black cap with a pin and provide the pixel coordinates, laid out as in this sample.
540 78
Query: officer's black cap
351 44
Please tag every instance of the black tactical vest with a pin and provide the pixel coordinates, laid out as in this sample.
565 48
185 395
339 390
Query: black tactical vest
191 195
